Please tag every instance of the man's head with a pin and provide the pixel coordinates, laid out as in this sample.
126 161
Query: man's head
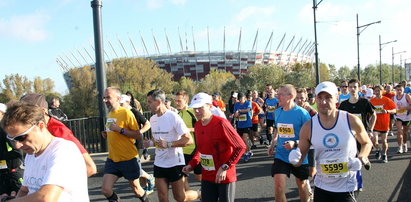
241 97
25 125
353 86
344 87
181 100
378 90
301 96
3 109
37 100
271 93
112 98
216 96
268 87
388 88
55 102
286 94
202 104
155 99
168 102
326 97
399 89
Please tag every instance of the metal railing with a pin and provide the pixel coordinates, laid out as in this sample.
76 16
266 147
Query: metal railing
87 131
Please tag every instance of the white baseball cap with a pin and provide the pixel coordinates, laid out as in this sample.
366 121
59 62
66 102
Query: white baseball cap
3 108
124 98
369 93
200 100
328 87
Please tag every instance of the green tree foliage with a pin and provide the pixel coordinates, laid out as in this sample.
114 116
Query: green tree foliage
260 75
214 81
324 72
14 86
186 84
82 99
138 75
300 76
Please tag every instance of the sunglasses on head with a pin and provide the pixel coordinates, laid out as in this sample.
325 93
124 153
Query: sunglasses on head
22 136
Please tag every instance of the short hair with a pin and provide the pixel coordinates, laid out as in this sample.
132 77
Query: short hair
379 87
116 90
354 81
182 93
301 90
157 94
22 112
399 86
290 89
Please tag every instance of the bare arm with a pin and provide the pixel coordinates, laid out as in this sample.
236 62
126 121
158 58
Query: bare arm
90 165
22 192
360 135
304 142
46 193
373 119
185 140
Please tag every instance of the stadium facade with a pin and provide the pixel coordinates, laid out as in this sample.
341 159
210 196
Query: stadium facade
197 64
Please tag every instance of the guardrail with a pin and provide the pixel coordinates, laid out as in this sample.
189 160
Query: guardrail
87 131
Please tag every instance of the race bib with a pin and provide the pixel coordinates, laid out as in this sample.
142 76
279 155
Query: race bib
270 109
242 117
3 164
334 168
379 109
285 130
402 112
207 162
109 122
358 115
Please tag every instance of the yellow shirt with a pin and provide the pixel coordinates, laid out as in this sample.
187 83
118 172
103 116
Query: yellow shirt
188 120
120 147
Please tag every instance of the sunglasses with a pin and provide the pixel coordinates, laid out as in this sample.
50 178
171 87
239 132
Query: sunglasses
344 86
22 136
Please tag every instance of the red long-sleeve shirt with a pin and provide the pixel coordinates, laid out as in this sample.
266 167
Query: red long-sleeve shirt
218 141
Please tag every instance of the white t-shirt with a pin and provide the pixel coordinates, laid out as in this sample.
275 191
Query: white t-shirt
60 164
170 127
217 111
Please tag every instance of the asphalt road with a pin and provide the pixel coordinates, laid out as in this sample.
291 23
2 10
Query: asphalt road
383 182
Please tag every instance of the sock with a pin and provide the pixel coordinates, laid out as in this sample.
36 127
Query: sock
113 197
144 197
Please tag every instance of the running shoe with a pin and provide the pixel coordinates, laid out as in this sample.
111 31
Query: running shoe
247 157
145 154
399 150
253 147
384 158
405 148
391 133
251 153
378 155
261 140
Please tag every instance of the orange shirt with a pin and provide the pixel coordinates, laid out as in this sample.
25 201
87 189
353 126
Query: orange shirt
221 104
256 110
383 119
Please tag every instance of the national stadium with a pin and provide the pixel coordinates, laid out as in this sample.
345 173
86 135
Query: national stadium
197 64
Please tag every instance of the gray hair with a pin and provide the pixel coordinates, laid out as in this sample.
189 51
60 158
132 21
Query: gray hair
157 94
116 90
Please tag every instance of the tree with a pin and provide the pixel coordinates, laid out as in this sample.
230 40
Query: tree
82 99
260 75
187 85
138 75
15 85
214 81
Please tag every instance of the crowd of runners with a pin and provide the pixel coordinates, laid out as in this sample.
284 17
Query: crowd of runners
324 134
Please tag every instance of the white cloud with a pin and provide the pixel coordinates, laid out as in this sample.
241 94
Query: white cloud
29 27
254 11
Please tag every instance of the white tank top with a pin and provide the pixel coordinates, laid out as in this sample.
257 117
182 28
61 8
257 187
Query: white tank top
333 147
403 115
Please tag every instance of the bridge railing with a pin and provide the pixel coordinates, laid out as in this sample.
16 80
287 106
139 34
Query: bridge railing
87 131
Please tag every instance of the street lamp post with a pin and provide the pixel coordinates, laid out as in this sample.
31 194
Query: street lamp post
393 77
405 68
381 46
317 72
358 42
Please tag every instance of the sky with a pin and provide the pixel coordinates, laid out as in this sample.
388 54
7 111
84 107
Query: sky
33 34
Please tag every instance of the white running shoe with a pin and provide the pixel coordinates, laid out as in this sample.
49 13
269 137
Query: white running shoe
405 148
399 150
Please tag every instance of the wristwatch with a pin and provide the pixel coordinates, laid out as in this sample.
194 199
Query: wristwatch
122 131
225 167
169 144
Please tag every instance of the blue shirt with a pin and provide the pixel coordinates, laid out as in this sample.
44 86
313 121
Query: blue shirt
272 103
288 124
407 90
343 97
244 119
